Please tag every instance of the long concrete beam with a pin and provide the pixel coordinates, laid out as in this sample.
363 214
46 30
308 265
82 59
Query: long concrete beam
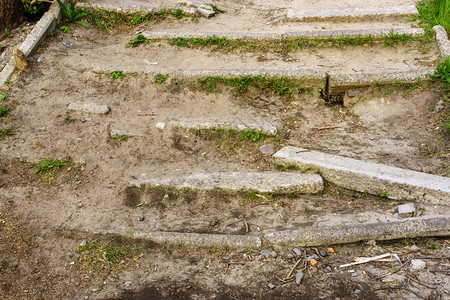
368 176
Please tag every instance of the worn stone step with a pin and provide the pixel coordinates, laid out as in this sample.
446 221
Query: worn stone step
375 33
264 182
375 178
351 12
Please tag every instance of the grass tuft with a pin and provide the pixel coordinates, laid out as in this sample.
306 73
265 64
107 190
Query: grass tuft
48 164
161 78
6 132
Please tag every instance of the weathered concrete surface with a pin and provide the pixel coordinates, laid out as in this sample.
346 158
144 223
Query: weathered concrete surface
114 131
351 12
375 33
193 239
350 233
205 12
341 82
265 128
89 107
369 176
130 8
264 182
442 40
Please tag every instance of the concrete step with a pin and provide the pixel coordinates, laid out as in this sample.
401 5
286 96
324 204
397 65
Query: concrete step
261 35
368 176
264 182
362 12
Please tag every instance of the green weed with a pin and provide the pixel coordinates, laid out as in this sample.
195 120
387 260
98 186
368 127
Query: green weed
216 9
3 96
34 8
73 14
253 135
164 13
433 12
394 38
48 164
161 78
65 29
384 196
117 75
280 85
443 16
123 137
434 247
8 33
178 13
139 40
6 132
100 257
9 82
442 72
3 111
67 118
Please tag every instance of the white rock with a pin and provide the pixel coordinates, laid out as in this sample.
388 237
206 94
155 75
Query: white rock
161 125
406 208
90 108
418 264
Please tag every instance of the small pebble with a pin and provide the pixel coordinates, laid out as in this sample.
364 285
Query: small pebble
357 291
322 252
297 251
271 286
83 243
299 278
142 219
328 269
311 257
226 257
265 252
127 283
274 254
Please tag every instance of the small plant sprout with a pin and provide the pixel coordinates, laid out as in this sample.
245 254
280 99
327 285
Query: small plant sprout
253 135
123 137
384 196
434 247
8 33
3 96
3 111
178 13
161 78
65 29
67 118
139 40
48 164
9 82
6 132
117 75
73 14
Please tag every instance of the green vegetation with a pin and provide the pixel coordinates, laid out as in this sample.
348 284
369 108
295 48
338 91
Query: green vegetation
101 257
32 7
442 72
117 75
6 132
67 118
3 96
280 85
65 29
9 82
73 15
139 40
161 78
433 12
384 197
49 164
216 9
253 135
8 33
3 111
434 246
123 137
178 13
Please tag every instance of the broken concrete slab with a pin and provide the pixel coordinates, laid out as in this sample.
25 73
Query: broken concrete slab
93 108
368 176
264 182
206 12
351 12
264 128
350 233
406 208
341 82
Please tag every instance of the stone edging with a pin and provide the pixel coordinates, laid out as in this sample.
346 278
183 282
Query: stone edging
442 40
303 237
40 31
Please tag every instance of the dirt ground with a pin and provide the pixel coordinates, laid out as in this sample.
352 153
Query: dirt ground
45 217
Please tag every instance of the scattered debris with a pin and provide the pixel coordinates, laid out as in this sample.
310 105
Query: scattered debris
313 262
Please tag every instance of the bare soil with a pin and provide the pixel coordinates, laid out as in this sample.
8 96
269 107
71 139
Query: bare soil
46 216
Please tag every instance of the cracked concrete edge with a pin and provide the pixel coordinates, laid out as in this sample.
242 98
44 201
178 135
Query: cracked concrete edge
190 11
351 12
350 233
442 41
341 82
268 129
191 239
240 182
305 237
43 27
367 176
375 33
